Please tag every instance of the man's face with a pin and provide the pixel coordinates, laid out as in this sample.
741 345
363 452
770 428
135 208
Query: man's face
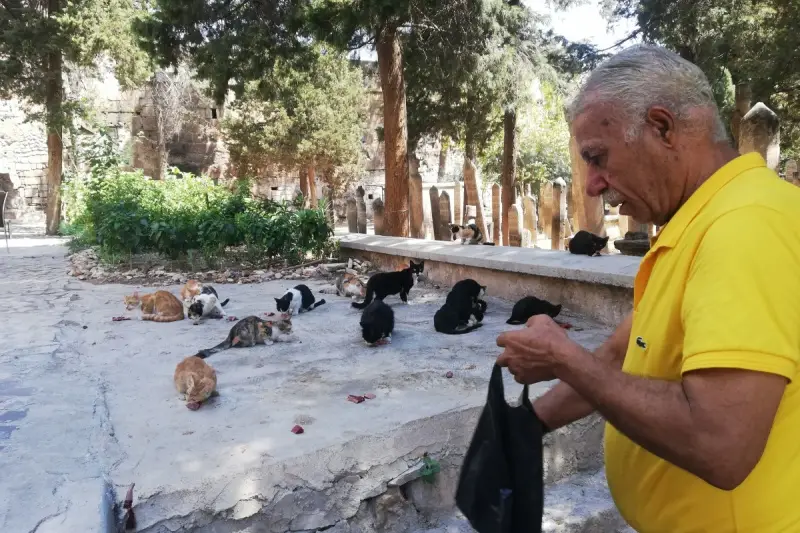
636 174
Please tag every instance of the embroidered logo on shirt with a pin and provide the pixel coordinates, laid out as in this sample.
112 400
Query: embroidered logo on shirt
640 343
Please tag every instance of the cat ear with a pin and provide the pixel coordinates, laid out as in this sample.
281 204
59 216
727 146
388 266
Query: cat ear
277 299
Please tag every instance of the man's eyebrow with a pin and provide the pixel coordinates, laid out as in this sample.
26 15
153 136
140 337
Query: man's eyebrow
588 149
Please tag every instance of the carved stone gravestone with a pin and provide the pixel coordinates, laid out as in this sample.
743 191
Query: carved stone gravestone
352 215
514 226
444 217
458 202
362 210
760 132
559 214
435 213
377 215
529 215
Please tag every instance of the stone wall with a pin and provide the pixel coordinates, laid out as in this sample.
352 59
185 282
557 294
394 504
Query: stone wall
23 162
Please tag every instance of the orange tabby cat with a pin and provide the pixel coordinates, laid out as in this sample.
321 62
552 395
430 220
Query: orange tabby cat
196 380
160 306
192 288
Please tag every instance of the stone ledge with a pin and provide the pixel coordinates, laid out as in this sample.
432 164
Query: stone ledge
613 270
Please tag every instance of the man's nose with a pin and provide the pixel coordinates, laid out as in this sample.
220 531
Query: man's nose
596 182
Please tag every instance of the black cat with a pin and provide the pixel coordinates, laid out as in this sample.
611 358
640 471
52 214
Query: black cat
586 243
297 300
463 304
530 306
377 323
383 284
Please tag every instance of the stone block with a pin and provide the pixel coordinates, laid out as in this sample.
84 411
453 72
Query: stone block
760 132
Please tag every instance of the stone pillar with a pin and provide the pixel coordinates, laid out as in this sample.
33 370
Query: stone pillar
435 213
588 211
743 98
529 216
546 208
514 226
352 215
636 237
472 191
496 207
444 216
377 215
415 203
458 202
791 172
362 210
558 215
760 132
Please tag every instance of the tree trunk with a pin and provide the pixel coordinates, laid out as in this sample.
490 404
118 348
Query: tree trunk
443 159
509 169
55 145
311 176
303 175
469 155
162 155
395 131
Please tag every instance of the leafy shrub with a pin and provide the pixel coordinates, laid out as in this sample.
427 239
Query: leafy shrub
126 213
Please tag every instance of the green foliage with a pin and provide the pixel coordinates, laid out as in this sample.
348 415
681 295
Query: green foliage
430 467
733 42
543 141
80 33
294 117
126 213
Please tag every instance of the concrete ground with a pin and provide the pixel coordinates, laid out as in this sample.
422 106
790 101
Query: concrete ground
87 407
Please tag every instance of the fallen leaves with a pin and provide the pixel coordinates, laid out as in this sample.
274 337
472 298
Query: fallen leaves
232 318
298 429
448 375
120 318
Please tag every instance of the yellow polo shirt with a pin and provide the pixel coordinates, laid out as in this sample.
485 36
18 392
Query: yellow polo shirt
719 288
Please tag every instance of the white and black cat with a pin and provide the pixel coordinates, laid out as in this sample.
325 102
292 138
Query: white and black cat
205 305
383 284
530 306
377 323
586 243
297 300
463 309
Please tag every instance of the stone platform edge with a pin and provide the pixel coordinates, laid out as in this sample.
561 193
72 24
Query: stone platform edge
597 287
613 270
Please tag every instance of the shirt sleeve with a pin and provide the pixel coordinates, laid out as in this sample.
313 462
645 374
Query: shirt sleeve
741 306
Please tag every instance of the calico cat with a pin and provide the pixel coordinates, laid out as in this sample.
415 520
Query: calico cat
350 285
586 243
252 330
530 306
383 284
205 305
195 380
377 323
463 309
160 306
469 234
297 300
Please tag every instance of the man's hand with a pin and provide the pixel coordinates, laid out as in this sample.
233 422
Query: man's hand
533 353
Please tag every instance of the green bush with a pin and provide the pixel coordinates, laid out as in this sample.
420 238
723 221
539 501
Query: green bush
126 213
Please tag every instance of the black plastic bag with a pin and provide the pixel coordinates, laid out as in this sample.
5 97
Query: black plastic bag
501 484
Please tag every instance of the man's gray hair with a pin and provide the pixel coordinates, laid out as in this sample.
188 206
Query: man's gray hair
644 76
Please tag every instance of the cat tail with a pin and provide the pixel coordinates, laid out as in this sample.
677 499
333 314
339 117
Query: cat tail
489 244
465 330
223 304
164 318
367 300
317 304
224 345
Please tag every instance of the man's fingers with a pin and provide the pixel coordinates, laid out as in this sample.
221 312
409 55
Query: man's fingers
502 339
504 359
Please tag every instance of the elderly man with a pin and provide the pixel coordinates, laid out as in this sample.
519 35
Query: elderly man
698 385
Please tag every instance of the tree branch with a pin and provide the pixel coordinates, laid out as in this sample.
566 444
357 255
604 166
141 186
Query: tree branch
9 8
633 35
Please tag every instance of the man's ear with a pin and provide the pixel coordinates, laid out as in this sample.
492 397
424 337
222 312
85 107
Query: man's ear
663 121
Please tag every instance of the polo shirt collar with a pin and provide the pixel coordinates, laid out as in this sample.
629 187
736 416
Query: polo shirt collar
669 234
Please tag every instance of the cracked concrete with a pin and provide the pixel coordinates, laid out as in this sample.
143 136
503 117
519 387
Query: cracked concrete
100 412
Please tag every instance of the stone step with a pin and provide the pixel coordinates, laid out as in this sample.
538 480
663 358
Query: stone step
580 504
